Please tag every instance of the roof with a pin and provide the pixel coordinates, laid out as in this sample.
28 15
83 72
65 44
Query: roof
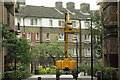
48 12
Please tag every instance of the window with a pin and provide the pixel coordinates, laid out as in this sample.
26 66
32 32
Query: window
50 22
73 23
60 23
19 20
28 37
37 37
75 36
40 21
87 24
47 36
87 52
33 22
60 36
73 52
19 35
87 38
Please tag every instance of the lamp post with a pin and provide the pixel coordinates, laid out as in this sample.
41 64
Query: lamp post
80 40
91 49
17 33
91 30
77 52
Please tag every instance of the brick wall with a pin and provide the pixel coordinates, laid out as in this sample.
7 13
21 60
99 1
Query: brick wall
0 11
5 16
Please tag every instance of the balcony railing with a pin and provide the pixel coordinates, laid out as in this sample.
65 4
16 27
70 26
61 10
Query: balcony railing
111 46
110 15
10 20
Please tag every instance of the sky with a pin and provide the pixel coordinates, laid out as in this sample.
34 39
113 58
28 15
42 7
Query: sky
51 3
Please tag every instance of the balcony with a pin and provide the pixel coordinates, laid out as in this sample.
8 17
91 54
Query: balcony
110 16
111 45
9 4
8 18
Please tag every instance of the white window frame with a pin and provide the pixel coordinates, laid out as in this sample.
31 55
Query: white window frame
47 37
37 36
33 21
87 38
60 23
50 22
19 35
87 52
87 24
19 20
74 52
29 37
74 24
74 37
60 36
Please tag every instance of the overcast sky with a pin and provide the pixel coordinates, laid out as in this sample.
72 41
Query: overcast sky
51 3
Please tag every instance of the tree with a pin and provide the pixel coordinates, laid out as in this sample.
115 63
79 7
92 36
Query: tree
52 49
98 33
17 48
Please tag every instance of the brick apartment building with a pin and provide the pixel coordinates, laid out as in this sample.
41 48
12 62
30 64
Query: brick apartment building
41 24
110 12
6 17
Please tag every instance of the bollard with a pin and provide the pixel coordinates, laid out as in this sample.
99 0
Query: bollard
20 78
39 78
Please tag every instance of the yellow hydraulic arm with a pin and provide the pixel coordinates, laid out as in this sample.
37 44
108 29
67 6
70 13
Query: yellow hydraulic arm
67 63
68 30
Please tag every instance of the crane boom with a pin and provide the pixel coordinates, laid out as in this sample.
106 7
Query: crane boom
67 64
68 30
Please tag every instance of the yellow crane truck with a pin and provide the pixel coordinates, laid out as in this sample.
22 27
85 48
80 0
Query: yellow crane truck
68 65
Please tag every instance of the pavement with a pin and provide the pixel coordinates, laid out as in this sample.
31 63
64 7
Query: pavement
62 77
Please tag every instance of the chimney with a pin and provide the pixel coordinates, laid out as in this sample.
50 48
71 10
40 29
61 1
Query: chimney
85 7
58 5
70 5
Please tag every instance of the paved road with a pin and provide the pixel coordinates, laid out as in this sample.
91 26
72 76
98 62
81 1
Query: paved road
62 77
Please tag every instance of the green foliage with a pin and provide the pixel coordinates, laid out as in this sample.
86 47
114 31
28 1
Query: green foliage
40 67
48 70
98 31
109 73
87 68
15 75
17 48
52 49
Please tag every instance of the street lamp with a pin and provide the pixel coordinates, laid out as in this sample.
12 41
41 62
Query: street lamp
91 50
80 40
91 30
17 33
76 42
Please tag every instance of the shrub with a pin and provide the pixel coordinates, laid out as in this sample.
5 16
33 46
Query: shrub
87 68
48 70
52 71
43 71
15 75
40 67
109 72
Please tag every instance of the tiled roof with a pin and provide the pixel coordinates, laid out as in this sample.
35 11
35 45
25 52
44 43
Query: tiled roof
48 12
